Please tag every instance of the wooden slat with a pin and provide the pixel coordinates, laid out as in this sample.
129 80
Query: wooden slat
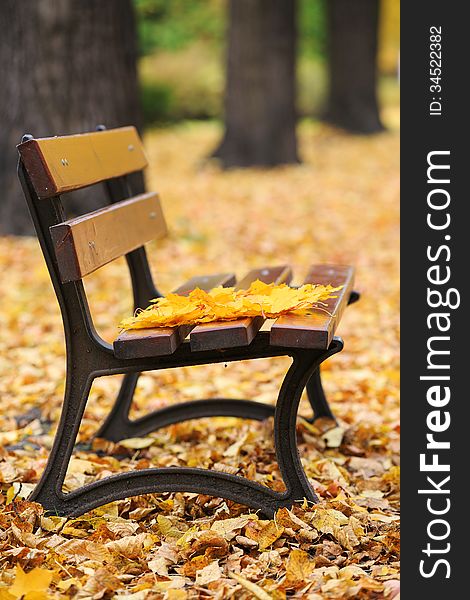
86 243
229 334
62 164
316 330
206 283
159 341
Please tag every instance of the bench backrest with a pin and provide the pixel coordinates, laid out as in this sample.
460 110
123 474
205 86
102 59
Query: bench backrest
73 248
62 164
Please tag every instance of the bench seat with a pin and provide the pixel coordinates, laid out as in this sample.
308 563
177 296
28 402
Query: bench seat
315 330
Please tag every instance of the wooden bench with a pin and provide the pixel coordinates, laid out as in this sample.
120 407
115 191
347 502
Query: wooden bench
48 169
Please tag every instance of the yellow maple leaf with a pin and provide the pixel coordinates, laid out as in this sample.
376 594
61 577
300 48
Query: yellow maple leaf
31 585
299 567
227 304
326 519
269 534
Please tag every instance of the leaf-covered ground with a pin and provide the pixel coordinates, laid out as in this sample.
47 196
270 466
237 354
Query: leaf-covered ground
340 205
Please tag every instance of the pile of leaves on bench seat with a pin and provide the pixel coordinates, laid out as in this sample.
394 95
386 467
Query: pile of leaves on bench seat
227 304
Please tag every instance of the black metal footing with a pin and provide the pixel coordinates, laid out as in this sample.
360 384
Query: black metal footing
258 497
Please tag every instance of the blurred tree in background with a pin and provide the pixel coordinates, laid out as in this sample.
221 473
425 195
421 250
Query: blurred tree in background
71 65
352 58
183 48
183 45
260 108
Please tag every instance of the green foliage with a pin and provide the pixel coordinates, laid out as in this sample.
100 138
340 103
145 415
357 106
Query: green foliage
182 44
157 102
311 85
311 23
187 84
174 24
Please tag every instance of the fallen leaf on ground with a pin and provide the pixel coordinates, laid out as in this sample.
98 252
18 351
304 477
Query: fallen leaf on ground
31 585
251 587
299 567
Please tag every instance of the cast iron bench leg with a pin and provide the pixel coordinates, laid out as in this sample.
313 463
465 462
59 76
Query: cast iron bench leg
315 392
256 496
48 491
317 398
304 365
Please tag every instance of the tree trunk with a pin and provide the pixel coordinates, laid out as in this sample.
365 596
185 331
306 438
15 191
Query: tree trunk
69 66
353 35
260 114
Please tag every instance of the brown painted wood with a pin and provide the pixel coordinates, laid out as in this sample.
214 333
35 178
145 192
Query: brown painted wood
229 334
159 341
86 243
206 283
61 164
316 330
142 343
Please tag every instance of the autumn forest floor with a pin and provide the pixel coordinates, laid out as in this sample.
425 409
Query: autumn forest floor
340 205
